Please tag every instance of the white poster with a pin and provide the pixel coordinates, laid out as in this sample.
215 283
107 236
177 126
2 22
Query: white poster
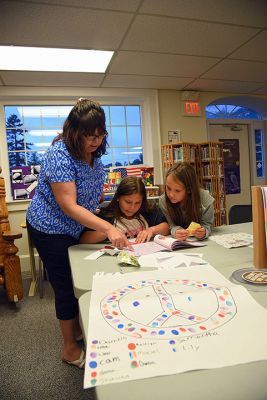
153 323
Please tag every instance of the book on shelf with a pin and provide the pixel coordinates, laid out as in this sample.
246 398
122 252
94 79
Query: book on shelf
163 243
178 154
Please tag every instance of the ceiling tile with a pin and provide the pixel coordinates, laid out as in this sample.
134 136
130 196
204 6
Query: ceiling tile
253 50
160 64
239 70
146 82
168 35
222 86
23 78
129 5
240 12
56 26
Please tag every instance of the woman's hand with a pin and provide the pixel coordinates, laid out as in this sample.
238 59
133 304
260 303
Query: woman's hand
181 234
199 233
145 235
117 238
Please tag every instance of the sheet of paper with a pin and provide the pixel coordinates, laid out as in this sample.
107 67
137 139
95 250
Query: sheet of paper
94 256
108 249
155 323
231 240
169 260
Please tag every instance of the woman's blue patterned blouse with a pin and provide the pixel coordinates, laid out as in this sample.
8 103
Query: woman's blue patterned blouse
44 214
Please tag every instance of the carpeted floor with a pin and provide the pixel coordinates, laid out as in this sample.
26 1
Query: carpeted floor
30 345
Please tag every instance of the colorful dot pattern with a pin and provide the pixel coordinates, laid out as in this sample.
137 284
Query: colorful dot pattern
110 308
93 363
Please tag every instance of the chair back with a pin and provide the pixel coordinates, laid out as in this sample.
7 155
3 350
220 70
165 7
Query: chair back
240 213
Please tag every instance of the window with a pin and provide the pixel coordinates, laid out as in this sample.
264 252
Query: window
259 153
140 123
31 129
231 111
125 136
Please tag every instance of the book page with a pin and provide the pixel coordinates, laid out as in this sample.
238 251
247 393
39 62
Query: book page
165 241
173 244
141 249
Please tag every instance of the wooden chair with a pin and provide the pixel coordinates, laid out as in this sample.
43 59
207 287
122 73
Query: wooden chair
10 271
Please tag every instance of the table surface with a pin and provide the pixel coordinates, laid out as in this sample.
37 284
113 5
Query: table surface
218 256
239 382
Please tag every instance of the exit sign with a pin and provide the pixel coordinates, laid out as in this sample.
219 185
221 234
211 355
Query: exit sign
191 109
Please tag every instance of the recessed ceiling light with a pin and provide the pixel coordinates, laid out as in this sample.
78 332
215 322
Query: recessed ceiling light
19 58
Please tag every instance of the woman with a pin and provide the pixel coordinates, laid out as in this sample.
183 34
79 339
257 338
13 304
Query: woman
68 192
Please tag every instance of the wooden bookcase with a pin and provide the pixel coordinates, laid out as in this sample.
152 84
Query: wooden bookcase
211 176
178 152
207 159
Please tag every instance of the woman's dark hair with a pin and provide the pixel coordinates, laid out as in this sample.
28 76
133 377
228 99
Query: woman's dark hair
86 118
129 185
190 211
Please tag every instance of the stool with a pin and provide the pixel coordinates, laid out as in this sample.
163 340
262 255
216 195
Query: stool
41 274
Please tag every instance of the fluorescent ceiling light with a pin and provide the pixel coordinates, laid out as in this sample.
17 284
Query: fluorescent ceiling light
18 58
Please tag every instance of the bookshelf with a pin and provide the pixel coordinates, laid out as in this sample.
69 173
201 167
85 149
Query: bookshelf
178 152
207 159
210 166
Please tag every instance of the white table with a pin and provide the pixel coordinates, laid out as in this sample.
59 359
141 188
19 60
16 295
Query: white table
83 270
241 382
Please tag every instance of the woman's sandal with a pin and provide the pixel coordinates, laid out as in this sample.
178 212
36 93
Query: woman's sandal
77 363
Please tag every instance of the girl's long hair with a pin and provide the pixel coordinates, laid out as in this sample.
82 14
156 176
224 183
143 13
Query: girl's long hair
86 118
129 185
190 211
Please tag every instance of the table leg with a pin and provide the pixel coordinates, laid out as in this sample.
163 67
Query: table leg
33 285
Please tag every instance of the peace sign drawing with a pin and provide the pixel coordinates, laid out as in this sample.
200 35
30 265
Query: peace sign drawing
165 309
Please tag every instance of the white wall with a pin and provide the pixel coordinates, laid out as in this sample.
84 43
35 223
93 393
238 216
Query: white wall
194 129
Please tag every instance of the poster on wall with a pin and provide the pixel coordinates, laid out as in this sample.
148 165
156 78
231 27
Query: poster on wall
231 157
24 181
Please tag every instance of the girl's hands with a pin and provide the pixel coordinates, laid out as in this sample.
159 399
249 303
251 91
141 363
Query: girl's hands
181 234
117 238
200 233
145 235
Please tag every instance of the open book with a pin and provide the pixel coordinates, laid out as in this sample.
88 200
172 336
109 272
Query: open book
163 243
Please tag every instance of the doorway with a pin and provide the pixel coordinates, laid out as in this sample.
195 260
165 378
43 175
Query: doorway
236 153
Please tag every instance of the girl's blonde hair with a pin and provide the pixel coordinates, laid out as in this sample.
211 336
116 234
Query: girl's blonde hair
190 211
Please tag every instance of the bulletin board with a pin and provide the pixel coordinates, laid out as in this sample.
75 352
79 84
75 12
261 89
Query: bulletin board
24 181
